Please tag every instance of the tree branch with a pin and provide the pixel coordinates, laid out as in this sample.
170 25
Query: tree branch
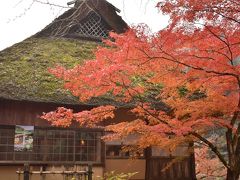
212 147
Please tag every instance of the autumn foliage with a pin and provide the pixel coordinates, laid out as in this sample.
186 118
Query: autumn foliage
180 83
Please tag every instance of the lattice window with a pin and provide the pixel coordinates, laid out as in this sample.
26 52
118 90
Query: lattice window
93 26
6 143
53 145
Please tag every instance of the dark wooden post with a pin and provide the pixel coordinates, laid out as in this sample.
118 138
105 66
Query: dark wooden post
90 172
148 154
192 162
42 169
26 172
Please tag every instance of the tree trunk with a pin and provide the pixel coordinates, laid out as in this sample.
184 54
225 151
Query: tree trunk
232 175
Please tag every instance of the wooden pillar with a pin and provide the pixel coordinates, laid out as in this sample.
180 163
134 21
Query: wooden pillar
148 154
90 172
42 169
26 172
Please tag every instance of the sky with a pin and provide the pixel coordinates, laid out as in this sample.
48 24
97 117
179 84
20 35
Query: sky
20 19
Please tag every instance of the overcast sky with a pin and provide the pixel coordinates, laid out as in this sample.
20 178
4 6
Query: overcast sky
20 19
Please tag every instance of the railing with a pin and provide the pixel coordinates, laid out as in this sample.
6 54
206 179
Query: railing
77 175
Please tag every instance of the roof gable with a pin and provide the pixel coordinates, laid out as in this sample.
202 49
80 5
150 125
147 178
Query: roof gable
88 19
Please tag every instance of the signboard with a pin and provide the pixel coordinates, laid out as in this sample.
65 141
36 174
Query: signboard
23 138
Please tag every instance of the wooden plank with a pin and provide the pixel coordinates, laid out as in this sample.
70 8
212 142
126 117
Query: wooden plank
178 171
28 113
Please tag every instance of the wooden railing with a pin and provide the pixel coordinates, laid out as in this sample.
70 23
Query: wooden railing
77 175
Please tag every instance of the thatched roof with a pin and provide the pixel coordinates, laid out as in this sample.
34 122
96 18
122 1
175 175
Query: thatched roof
69 23
24 67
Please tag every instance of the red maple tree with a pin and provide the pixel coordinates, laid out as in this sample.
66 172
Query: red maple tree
182 82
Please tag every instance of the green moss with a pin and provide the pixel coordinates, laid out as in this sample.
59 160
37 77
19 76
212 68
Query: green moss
24 68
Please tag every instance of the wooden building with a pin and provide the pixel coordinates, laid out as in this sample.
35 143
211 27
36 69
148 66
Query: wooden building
27 89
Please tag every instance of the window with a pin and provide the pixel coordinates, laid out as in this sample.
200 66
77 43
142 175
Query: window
53 145
6 143
93 26
114 149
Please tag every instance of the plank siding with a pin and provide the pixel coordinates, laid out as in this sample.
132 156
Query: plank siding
28 113
182 170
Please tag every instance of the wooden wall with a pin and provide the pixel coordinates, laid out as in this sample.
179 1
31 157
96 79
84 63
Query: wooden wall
127 166
27 113
182 170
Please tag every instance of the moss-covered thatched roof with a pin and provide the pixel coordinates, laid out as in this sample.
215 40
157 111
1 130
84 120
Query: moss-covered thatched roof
24 68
